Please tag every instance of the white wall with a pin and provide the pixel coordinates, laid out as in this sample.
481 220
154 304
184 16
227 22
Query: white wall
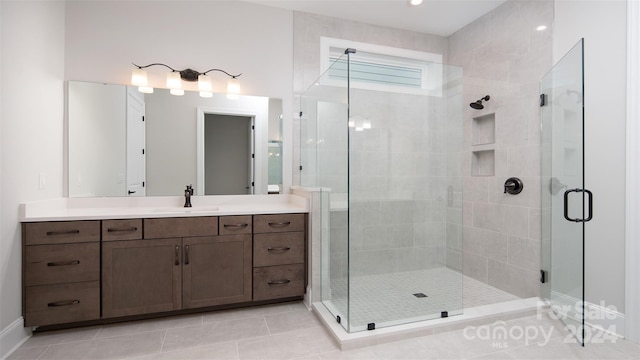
31 128
103 38
603 26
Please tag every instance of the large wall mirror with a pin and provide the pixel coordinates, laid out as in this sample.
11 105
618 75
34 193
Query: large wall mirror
125 143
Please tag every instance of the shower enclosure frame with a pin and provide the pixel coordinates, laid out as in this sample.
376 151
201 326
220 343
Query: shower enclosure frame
333 140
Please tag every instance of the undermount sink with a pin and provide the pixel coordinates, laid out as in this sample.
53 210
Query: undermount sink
183 210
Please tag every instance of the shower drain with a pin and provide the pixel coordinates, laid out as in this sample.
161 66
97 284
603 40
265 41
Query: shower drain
420 295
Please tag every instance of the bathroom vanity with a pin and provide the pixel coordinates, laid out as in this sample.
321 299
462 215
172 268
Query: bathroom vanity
96 260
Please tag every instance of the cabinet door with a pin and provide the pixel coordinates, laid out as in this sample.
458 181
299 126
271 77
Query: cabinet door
217 270
141 277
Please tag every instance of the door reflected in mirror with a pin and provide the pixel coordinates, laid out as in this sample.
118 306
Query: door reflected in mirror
125 143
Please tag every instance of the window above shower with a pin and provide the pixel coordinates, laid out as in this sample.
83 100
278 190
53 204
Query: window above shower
381 68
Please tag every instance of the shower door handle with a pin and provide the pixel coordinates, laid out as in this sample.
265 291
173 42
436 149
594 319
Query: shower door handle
566 205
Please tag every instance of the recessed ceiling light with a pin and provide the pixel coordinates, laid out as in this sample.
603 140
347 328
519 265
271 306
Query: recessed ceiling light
415 2
541 28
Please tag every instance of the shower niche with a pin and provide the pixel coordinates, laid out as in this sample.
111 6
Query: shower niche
483 139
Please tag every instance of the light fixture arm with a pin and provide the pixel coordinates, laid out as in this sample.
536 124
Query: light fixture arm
187 74
232 76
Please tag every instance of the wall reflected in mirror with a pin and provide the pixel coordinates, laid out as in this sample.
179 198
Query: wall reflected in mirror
125 143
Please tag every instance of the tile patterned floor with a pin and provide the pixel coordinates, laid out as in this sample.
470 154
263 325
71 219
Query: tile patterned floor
290 331
386 298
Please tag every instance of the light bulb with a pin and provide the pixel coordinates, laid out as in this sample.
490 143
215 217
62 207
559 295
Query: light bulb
415 2
145 89
174 81
139 77
204 84
177 92
233 86
206 94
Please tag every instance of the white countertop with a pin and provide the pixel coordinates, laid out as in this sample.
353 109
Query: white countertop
65 209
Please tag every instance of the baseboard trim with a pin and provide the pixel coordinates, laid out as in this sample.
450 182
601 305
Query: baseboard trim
12 337
596 316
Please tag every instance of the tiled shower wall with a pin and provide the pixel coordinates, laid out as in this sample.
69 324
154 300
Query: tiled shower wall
504 56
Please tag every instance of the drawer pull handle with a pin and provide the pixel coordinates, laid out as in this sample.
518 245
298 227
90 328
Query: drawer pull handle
130 229
279 282
63 303
236 226
186 254
64 263
177 262
280 224
279 249
69 232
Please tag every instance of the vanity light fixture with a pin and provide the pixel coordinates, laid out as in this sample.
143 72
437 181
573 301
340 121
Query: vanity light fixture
175 77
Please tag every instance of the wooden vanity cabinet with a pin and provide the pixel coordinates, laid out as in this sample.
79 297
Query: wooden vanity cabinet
278 256
194 267
216 270
141 277
61 272
76 271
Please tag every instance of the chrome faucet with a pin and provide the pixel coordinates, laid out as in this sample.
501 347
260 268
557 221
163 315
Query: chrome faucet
187 195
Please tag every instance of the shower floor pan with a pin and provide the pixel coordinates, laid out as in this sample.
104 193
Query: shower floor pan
394 303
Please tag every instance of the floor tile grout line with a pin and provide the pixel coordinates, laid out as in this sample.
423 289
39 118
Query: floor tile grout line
98 332
140 333
201 346
45 350
237 350
57 343
164 338
264 318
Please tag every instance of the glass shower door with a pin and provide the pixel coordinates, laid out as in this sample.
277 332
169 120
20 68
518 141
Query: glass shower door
566 204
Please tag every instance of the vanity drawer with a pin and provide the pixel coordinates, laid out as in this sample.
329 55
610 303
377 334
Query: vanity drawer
180 227
125 229
278 249
60 232
66 263
274 282
230 225
65 303
278 223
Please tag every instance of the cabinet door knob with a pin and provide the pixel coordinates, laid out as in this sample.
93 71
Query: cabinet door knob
177 257
186 254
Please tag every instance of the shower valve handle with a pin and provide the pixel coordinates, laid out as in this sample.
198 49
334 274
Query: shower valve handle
513 186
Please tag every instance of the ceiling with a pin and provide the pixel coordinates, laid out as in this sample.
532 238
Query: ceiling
438 17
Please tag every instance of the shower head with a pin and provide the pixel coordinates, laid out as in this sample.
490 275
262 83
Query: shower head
478 103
